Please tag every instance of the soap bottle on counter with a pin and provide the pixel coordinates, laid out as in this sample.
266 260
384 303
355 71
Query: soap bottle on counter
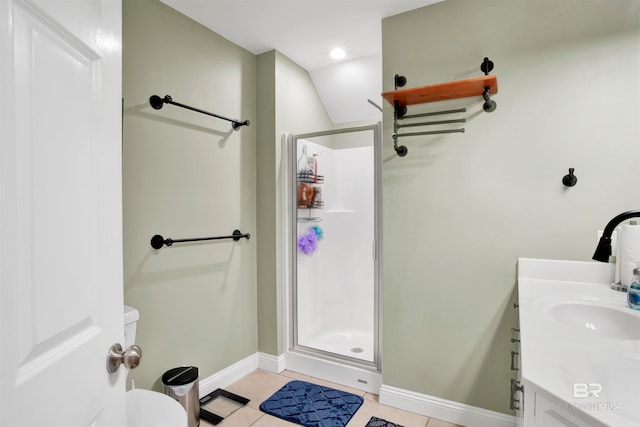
633 292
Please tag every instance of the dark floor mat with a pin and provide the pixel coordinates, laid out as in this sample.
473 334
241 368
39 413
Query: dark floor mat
312 405
379 422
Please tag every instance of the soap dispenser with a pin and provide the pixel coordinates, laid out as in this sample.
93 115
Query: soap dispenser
633 292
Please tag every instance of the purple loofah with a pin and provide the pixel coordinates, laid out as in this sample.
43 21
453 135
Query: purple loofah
308 243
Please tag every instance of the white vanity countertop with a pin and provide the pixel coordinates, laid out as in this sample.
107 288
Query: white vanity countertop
556 355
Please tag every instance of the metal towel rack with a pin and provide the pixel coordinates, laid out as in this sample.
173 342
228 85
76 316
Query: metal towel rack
401 98
157 103
158 241
400 113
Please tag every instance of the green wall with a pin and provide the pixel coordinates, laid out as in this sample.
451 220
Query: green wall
188 175
269 304
460 209
289 103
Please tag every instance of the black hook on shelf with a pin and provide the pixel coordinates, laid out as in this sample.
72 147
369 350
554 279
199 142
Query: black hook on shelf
401 150
399 81
398 112
487 66
489 105
570 180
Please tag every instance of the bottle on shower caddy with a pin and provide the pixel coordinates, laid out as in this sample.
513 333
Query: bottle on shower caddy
309 195
303 160
305 195
315 167
310 170
633 292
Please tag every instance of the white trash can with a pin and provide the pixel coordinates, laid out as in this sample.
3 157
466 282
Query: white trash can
182 384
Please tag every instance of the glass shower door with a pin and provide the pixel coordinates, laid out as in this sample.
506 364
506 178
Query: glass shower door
335 207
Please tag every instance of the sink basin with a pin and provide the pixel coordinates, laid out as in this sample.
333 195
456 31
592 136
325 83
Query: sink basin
608 319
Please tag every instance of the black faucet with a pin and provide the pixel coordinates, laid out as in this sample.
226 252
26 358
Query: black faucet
603 251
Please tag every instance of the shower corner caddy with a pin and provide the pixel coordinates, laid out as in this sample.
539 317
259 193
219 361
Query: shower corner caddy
308 205
484 86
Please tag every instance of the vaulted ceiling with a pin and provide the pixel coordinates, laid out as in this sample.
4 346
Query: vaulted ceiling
306 31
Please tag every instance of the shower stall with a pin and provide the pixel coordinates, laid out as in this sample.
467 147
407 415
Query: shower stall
331 210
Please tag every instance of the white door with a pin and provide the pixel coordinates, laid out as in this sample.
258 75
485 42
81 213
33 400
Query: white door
60 213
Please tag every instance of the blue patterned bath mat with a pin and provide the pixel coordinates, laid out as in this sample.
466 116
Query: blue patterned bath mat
312 405
379 422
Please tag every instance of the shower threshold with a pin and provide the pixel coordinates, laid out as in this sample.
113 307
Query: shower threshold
357 344
344 370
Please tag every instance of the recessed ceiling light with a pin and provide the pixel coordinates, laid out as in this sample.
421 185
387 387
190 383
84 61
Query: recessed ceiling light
338 53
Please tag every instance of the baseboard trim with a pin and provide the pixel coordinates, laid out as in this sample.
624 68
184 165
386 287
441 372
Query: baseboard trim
229 375
271 363
430 406
442 409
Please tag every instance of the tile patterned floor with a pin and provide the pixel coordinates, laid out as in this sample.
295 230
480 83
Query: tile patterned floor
260 385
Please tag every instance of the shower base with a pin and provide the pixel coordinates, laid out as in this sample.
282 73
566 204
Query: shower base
351 343
322 366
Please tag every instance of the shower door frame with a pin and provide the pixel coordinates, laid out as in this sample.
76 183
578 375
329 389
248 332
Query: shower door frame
290 241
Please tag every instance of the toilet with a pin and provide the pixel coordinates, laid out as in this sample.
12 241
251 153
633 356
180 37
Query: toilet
146 408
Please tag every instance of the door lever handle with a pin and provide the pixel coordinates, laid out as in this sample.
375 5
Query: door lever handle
116 357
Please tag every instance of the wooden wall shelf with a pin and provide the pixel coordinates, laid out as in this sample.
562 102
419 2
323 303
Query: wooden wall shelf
443 91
